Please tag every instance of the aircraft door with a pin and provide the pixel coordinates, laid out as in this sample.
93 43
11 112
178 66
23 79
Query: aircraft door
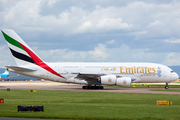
58 67
81 67
164 73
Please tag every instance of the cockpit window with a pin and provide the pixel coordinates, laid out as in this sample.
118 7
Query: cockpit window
172 71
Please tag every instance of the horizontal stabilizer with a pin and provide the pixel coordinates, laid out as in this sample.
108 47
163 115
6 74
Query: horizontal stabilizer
17 68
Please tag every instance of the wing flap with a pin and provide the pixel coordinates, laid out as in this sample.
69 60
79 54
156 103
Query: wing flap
88 76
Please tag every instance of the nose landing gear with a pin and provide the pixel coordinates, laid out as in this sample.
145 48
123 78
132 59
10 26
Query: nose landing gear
166 87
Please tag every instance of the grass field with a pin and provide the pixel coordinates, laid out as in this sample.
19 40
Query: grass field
169 90
177 81
146 86
89 105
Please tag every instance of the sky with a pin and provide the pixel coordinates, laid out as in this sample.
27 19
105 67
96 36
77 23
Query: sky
94 30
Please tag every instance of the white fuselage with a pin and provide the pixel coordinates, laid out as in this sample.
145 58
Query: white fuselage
138 72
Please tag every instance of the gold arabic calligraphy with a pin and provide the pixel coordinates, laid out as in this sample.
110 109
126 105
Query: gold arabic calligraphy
108 69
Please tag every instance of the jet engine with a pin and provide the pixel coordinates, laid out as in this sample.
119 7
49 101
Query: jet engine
113 80
123 81
108 79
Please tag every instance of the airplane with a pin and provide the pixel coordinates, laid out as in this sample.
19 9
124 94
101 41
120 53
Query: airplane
4 75
93 74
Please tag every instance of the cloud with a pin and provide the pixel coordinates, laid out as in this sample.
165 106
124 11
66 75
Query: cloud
172 59
101 53
172 41
76 20
134 16
51 2
6 57
155 23
142 30
84 27
110 42
112 23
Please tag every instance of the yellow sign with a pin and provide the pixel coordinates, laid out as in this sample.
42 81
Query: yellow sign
33 90
163 102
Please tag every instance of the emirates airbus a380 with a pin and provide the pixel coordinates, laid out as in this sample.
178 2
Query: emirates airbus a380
93 75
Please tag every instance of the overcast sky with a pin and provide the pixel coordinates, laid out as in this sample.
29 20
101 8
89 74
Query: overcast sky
94 30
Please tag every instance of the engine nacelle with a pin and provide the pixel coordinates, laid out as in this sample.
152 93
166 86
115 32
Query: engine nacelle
123 81
113 80
108 79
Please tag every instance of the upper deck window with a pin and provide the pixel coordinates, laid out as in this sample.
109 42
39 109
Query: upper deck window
70 66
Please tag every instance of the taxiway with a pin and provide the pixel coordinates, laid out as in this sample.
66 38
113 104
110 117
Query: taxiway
48 85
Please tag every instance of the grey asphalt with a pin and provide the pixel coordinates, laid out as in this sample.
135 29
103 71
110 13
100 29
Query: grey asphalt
48 85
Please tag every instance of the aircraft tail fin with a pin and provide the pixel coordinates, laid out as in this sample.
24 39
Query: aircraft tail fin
21 52
6 72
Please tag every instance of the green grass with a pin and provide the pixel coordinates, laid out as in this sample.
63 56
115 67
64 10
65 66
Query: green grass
147 85
169 90
177 81
89 105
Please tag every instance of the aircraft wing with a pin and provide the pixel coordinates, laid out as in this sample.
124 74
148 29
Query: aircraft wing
17 68
92 77
89 77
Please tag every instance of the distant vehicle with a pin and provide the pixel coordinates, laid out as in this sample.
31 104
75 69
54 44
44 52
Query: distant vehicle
94 75
4 75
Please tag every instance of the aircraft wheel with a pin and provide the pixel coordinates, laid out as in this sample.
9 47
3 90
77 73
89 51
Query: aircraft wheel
93 87
101 87
166 87
96 87
89 87
85 87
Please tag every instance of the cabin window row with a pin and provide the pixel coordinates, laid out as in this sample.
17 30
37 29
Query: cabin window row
70 66
100 66
90 67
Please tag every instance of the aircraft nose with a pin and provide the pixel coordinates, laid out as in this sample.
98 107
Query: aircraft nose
176 76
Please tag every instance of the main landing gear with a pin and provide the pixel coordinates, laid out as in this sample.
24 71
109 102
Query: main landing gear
166 87
92 87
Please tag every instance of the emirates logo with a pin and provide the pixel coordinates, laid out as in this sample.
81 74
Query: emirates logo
124 82
109 80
